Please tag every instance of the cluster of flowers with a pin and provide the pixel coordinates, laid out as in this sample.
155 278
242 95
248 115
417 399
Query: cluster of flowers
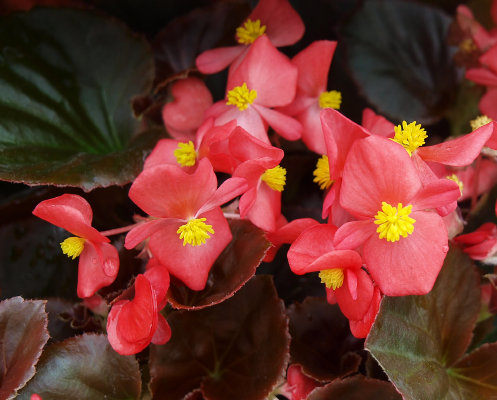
390 206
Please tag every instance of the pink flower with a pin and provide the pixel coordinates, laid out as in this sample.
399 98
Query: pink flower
274 18
36 397
99 260
340 270
265 79
360 329
404 242
298 386
188 230
133 324
185 113
487 177
481 244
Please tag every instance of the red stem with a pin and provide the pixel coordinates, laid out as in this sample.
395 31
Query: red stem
121 230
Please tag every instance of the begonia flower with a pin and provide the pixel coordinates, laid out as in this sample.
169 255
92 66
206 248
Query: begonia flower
211 142
481 244
98 259
286 233
274 18
188 230
312 95
360 329
298 385
340 270
265 79
133 324
487 177
185 113
261 203
405 242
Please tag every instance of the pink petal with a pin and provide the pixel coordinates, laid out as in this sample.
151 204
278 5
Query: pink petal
215 60
299 104
298 385
360 329
352 234
243 146
285 126
163 332
410 265
487 107
352 283
482 76
247 201
482 250
312 134
313 76
266 208
355 309
334 259
214 146
159 279
191 264
229 189
267 71
163 153
330 198
340 133
92 275
377 170
438 193
137 235
458 152
72 213
338 215
489 59
252 170
330 296
167 191
376 124
283 24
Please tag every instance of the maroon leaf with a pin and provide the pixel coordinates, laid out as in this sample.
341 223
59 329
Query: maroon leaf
84 368
321 340
356 388
233 268
236 349
23 333
61 328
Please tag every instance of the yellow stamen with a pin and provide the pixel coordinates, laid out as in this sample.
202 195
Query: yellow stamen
479 121
185 154
467 46
73 246
275 178
332 278
241 97
410 136
322 173
250 31
456 180
194 232
331 99
394 223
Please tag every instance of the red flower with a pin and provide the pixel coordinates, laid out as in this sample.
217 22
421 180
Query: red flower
99 260
133 324
482 243
274 18
265 79
360 329
404 243
298 386
340 270
189 230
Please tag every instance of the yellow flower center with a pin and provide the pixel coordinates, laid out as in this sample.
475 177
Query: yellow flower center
194 232
185 154
241 97
410 136
322 173
73 246
394 222
456 180
331 99
479 121
275 178
250 31
467 46
332 278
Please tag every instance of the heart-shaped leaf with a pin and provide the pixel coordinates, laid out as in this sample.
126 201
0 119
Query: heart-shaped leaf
356 388
84 368
238 348
67 78
232 269
419 340
398 56
23 333
321 340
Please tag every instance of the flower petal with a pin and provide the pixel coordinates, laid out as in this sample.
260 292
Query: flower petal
285 126
163 332
352 234
360 329
215 60
439 193
355 309
159 279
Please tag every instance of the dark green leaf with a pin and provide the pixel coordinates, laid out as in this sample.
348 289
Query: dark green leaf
235 349
397 53
416 338
23 333
233 268
67 78
84 368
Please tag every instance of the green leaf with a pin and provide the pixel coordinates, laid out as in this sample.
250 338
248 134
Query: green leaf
23 333
398 56
67 78
417 338
232 269
235 349
84 368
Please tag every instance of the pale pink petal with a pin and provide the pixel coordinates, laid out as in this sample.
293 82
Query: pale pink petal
352 234
312 134
229 189
265 209
137 235
298 105
376 124
436 194
243 146
286 126
212 61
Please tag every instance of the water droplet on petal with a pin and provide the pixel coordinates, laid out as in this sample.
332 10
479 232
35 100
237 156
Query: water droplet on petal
94 260
111 266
